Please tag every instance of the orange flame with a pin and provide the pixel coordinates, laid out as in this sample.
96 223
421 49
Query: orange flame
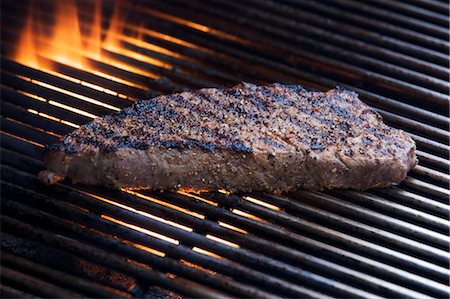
67 44
26 51
94 47
116 26
67 35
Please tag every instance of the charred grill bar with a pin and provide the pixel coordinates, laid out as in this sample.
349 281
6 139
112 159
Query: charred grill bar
109 243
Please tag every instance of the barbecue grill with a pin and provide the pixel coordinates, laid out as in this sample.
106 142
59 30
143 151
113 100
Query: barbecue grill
72 240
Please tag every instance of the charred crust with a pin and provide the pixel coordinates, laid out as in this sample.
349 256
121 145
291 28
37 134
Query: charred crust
317 145
238 146
296 88
243 119
173 144
272 142
141 106
63 146
343 90
54 147
342 112
208 146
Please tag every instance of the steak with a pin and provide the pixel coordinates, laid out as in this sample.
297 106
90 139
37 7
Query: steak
273 138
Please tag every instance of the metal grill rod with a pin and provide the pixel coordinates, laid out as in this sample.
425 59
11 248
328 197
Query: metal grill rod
125 249
379 26
98 110
107 259
311 37
427 142
435 6
35 285
360 33
14 98
180 251
78 200
397 19
372 249
258 40
14 112
417 12
67 280
429 253
428 189
433 161
9 292
419 202
425 220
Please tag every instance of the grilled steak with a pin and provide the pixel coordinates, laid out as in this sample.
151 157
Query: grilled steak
272 138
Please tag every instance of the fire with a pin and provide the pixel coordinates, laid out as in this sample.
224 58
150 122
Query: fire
26 51
65 44
94 47
116 26
67 36
81 43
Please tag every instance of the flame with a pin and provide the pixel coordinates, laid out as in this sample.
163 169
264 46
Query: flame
116 26
67 36
80 44
94 47
26 50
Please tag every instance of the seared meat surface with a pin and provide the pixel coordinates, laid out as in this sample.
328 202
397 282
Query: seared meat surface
271 138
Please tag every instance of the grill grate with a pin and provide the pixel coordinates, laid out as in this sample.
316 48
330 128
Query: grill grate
380 243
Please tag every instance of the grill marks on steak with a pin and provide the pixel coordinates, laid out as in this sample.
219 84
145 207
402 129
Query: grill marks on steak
269 138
